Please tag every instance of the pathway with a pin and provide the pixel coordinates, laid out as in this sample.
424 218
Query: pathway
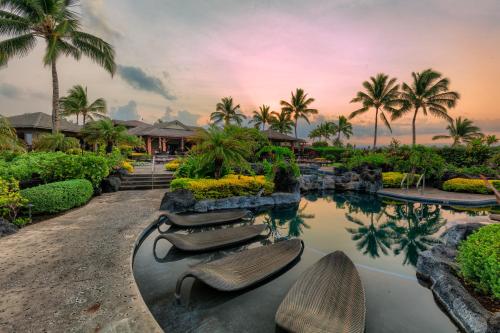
73 273
432 195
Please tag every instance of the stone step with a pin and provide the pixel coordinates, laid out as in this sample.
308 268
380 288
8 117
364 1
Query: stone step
146 182
142 187
148 176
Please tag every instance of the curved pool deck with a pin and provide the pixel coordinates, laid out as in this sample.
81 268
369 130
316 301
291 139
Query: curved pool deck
73 273
435 196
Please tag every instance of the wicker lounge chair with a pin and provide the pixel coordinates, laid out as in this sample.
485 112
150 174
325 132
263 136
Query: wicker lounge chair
328 297
210 240
244 269
203 219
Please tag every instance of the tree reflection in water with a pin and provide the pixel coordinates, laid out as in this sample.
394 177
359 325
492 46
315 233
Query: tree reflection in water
286 223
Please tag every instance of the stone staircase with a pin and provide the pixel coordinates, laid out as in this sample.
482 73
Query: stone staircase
145 181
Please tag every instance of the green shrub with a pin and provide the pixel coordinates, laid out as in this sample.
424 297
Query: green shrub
11 201
228 186
479 259
337 154
418 159
394 179
173 165
469 185
376 160
320 144
58 197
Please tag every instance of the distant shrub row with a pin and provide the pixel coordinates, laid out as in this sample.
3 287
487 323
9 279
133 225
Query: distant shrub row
228 186
469 185
59 196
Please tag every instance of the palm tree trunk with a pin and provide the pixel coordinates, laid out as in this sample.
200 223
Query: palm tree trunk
296 120
376 128
218 168
77 116
55 98
109 147
414 130
84 118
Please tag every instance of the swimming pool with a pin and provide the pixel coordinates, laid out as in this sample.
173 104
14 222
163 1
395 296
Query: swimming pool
381 237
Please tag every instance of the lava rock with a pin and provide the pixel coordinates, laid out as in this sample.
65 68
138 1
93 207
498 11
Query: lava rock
111 184
177 201
7 228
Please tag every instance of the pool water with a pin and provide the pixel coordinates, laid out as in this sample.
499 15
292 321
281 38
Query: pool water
381 237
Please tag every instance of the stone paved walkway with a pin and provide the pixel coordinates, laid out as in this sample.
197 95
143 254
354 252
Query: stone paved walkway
433 195
73 273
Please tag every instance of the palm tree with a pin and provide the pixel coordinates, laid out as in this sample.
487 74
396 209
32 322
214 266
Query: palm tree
8 137
262 117
298 107
282 122
55 142
226 112
326 130
105 132
315 134
428 92
382 94
491 139
58 24
344 127
461 131
76 103
218 149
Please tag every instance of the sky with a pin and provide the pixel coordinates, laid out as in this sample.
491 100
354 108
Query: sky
177 59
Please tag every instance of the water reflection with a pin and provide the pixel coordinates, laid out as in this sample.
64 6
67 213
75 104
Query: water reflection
289 222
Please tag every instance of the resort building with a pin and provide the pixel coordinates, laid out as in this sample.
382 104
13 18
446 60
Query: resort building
280 139
31 125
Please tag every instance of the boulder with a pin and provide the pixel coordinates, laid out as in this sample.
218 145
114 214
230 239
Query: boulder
366 180
438 266
178 201
111 184
7 228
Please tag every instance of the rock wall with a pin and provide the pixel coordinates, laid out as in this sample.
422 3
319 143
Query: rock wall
366 180
438 266
183 201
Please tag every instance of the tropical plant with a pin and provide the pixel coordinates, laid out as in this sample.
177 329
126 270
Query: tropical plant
428 92
381 94
220 150
490 140
77 103
282 122
11 201
58 24
343 127
262 117
298 107
105 132
227 112
8 137
461 131
55 142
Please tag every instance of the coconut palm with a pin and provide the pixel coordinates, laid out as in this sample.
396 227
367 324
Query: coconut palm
429 92
262 117
315 134
227 112
282 122
344 127
58 24
490 140
105 132
77 103
298 107
220 150
55 142
382 94
8 137
461 131
326 130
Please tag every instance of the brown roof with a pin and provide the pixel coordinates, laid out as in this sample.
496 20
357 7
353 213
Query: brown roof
172 129
40 120
130 123
277 136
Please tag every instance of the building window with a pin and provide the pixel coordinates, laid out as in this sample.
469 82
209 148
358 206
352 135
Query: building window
28 138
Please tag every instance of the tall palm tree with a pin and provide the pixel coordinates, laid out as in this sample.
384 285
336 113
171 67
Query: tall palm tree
381 94
430 93
461 131
58 24
77 103
262 117
227 112
298 107
219 149
8 137
344 127
282 122
105 132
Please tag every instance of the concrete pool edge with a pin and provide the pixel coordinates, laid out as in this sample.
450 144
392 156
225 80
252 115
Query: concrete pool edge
438 201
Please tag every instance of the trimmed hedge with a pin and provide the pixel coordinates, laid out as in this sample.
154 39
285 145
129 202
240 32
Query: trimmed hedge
394 179
479 259
173 165
469 185
229 186
58 197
